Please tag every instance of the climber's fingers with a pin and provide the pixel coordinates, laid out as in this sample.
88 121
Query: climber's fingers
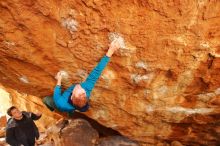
115 45
58 76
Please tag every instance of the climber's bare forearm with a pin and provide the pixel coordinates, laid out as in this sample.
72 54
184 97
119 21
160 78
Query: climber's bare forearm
114 46
59 82
59 78
110 53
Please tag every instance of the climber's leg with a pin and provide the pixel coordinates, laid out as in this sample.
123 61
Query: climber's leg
48 101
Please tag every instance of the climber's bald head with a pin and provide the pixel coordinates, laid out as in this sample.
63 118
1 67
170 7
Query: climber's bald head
79 96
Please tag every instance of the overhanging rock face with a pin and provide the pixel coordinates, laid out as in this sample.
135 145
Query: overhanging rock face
163 85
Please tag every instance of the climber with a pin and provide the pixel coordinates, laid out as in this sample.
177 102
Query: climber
21 129
76 97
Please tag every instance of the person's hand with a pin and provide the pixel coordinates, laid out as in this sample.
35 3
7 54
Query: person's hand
38 114
40 141
37 142
114 46
59 76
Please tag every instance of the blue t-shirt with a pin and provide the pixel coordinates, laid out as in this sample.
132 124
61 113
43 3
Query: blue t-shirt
61 99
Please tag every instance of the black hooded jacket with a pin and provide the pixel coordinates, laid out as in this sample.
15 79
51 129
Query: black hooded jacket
22 132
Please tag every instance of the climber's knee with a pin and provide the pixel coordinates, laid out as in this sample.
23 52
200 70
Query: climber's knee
48 101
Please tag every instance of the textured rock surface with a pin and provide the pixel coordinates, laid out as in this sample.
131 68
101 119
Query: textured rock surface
5 101
163 86
116 141
73 133
2 126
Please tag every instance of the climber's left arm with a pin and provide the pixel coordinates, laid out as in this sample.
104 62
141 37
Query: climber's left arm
97 71
59 78
57 89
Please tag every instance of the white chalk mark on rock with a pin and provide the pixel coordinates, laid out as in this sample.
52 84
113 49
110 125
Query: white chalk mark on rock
64 75
217 91
108 75
215 54
182 40
179 109
100 114
205 45
24 79
116 36
205 97
150 108
81 73
141 64
137 78
9 43
70 24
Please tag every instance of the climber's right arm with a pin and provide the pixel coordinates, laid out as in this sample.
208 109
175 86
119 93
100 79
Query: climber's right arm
57 89
57 92
59 78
